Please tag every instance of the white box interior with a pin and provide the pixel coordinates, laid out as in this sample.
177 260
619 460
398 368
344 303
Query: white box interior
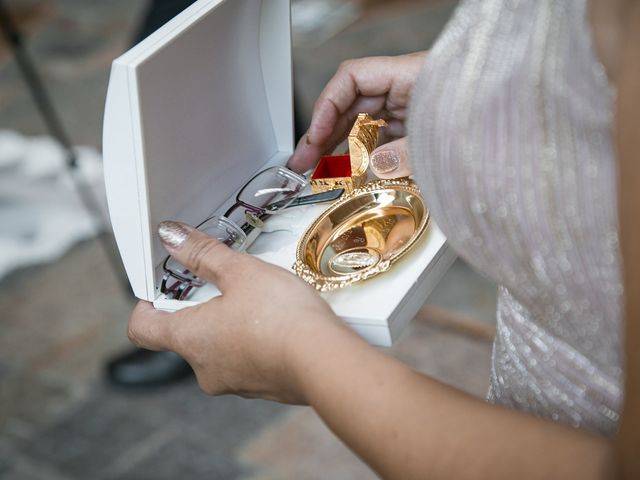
194 111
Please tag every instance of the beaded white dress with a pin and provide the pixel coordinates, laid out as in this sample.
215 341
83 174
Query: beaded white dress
511 141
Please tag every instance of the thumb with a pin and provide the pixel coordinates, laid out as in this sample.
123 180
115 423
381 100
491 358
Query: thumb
205 256
391 160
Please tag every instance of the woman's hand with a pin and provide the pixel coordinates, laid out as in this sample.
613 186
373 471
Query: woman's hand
271 336
380 86
242 341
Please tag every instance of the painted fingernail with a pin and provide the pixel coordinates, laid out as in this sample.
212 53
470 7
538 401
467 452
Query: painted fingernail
385 161
173 234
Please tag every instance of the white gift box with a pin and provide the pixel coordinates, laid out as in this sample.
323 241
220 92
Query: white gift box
195 110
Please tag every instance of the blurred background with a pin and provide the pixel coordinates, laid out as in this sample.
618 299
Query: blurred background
63 303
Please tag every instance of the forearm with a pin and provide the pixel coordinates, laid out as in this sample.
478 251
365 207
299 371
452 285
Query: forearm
406 425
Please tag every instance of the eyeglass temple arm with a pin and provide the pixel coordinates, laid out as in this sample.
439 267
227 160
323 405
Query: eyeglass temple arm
328 196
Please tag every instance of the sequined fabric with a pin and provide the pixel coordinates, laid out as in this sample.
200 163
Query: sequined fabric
511 142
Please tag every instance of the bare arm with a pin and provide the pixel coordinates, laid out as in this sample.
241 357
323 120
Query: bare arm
406 425
271 336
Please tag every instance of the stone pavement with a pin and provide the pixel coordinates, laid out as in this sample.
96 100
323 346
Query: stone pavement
58 419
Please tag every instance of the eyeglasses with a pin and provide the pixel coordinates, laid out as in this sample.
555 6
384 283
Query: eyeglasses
267 193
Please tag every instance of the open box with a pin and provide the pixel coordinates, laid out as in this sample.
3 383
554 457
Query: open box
195 110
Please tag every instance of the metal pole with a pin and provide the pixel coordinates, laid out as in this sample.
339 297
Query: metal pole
54 125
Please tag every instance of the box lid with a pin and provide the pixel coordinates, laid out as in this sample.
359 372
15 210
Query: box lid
192 112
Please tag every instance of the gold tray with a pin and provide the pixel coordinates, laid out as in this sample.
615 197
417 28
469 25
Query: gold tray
362 234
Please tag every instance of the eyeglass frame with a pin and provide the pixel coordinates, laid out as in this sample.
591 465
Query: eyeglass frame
183 286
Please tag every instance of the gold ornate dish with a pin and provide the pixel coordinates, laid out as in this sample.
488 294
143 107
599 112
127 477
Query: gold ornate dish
362 234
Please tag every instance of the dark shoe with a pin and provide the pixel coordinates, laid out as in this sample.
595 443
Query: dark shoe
145 368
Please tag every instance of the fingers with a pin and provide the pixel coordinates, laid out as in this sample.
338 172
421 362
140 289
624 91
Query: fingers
391 78
334 113
305 155
366 85
179 331
150 328
203 255
309 151
391 160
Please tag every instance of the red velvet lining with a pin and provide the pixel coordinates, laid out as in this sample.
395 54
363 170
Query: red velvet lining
333 166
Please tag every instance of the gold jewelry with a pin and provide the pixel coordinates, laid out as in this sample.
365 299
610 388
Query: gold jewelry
349 171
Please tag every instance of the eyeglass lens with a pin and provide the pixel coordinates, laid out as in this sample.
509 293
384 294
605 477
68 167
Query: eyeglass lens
270 190
274 185
217 227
